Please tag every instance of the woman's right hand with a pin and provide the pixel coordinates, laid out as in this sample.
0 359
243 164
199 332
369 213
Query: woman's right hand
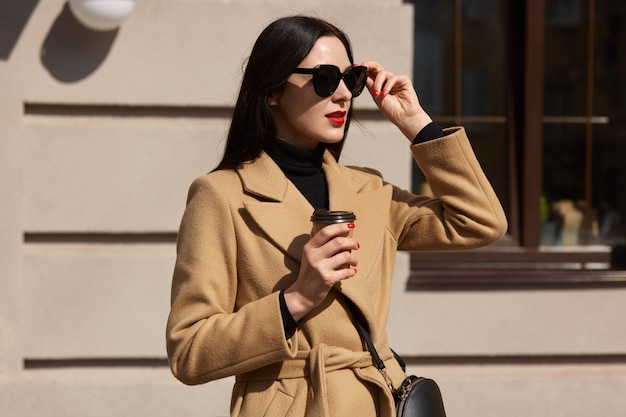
327 259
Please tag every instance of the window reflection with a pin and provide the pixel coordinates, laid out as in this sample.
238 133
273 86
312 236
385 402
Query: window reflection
584 174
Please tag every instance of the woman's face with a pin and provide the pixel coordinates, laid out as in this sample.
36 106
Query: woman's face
302 117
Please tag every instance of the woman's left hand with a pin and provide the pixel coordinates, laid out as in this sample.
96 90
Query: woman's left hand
396 98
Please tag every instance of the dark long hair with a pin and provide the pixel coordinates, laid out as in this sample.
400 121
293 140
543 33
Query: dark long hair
278 50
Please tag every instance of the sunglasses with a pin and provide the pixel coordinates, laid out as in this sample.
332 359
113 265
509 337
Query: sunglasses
326 79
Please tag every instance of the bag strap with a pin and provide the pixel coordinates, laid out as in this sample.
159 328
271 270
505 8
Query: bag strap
378 362
370 345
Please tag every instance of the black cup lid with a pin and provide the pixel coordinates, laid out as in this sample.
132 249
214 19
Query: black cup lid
336 216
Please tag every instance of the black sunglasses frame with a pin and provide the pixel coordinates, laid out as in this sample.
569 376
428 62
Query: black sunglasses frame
350 77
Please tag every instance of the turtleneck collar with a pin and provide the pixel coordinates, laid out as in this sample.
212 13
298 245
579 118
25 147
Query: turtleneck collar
295 160
303 167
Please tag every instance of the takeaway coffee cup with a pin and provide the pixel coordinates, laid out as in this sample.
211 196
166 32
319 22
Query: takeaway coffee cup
322 218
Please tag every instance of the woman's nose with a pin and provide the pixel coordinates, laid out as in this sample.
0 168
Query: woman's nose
342 92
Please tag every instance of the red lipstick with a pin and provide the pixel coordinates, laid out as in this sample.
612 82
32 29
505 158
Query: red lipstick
337 118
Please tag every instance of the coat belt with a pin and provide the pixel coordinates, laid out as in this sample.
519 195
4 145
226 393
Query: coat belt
314 364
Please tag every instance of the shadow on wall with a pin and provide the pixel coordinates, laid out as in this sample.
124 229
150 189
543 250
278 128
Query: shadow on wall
71 52
13 17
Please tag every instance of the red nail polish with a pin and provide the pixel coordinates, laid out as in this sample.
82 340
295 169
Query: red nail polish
375 93
350 225
355 270
382 93
358 245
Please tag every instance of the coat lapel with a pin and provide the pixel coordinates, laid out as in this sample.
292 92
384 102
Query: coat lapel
351 189
279 209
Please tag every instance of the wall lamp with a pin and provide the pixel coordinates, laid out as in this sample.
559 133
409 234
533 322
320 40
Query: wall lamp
101 15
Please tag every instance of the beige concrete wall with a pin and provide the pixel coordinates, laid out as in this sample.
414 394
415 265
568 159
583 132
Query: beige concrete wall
100 136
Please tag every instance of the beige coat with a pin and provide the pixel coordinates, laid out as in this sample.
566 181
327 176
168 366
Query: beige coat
240 243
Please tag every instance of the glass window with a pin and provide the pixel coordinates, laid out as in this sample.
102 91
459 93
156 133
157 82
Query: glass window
544 105
585 132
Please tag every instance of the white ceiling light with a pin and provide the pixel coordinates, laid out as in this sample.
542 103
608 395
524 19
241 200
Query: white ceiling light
101 15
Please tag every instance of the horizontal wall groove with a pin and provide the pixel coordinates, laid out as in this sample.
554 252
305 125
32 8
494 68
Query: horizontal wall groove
100 238
126 111
612 359
37 364
587 359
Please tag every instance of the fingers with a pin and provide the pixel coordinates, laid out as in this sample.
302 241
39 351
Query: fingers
330 232
333 254
339 261
382 82
336 269
331 250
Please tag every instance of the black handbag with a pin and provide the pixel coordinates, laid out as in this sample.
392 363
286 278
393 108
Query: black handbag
419 397
416 396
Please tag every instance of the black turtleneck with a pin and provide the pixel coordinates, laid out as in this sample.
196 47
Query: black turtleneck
303 167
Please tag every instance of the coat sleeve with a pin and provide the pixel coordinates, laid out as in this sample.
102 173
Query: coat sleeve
464 212
207 337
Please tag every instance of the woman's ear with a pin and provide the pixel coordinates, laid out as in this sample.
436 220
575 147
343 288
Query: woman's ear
273 97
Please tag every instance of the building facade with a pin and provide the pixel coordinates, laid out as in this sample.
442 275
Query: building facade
101 134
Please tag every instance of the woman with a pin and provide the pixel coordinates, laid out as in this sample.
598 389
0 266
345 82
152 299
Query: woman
254 294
